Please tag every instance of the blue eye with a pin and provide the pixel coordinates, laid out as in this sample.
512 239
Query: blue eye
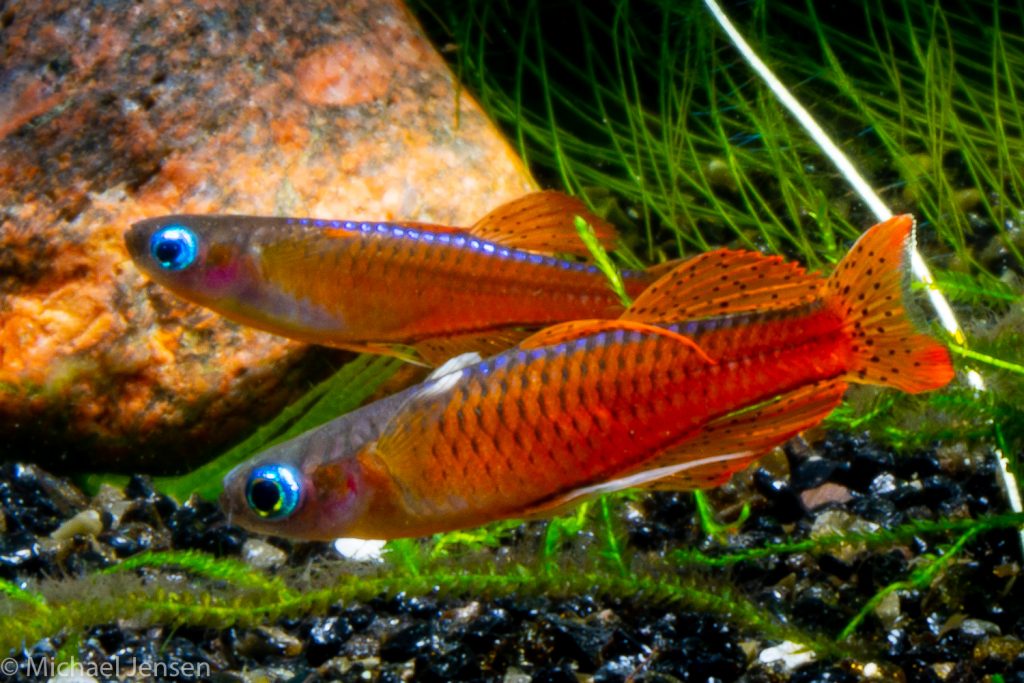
273 491
174 247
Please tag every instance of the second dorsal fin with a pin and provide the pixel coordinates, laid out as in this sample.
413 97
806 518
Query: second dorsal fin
543 222
725 281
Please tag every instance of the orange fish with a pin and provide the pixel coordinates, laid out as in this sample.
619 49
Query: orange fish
765 350
386 286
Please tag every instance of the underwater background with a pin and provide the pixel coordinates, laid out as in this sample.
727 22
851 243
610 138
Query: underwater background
880 546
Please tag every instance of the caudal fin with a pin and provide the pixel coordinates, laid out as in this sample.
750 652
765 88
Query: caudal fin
867 290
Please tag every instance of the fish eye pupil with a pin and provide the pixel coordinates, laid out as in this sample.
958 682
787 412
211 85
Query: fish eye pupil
167 252
265 495
273 491
174 247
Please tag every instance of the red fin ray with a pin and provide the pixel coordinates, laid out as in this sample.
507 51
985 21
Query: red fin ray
867 290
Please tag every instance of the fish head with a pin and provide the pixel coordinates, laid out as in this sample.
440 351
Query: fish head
304 488
206 259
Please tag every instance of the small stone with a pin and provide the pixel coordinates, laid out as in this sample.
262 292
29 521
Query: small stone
359 549
514 675
882 484
977 628
86 523
267 640
888 609
999 649
787 656
262 555
825 494
812 472
842 523
407 643
326 636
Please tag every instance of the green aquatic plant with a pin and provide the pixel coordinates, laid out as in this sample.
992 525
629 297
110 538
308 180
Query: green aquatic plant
225 592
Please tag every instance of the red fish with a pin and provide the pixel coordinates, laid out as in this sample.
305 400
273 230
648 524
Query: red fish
385 286
764 352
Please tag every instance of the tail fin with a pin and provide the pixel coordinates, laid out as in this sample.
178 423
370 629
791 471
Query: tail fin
867 290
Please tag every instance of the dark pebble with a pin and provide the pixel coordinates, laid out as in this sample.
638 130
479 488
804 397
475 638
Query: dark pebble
783 500
664 518
407 643
574 641
21 555
562 673
200 525
813 472
823 673
458 664
325 638
866 463
26 503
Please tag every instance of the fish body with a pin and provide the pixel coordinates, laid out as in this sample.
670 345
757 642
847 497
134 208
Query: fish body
378 286
727 356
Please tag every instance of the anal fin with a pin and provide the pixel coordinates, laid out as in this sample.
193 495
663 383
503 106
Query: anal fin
708 457
728 444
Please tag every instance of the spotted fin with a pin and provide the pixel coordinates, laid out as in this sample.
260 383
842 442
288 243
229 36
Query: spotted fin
577 329
868 290
722 282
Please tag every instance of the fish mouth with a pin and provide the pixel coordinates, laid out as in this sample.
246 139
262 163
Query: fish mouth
136 239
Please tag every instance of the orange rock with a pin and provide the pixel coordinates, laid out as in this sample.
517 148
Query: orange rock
110 113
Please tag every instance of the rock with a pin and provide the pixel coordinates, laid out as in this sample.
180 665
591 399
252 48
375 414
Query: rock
115 111
262 555
407 643
86 523
827 493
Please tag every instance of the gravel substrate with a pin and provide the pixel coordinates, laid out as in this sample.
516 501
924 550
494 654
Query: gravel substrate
964 624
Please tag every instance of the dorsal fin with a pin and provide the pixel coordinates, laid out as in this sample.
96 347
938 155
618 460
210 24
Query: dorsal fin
576 329
543 222
725 281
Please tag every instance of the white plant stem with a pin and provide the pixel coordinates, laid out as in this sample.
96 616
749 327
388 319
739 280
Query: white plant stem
881 211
